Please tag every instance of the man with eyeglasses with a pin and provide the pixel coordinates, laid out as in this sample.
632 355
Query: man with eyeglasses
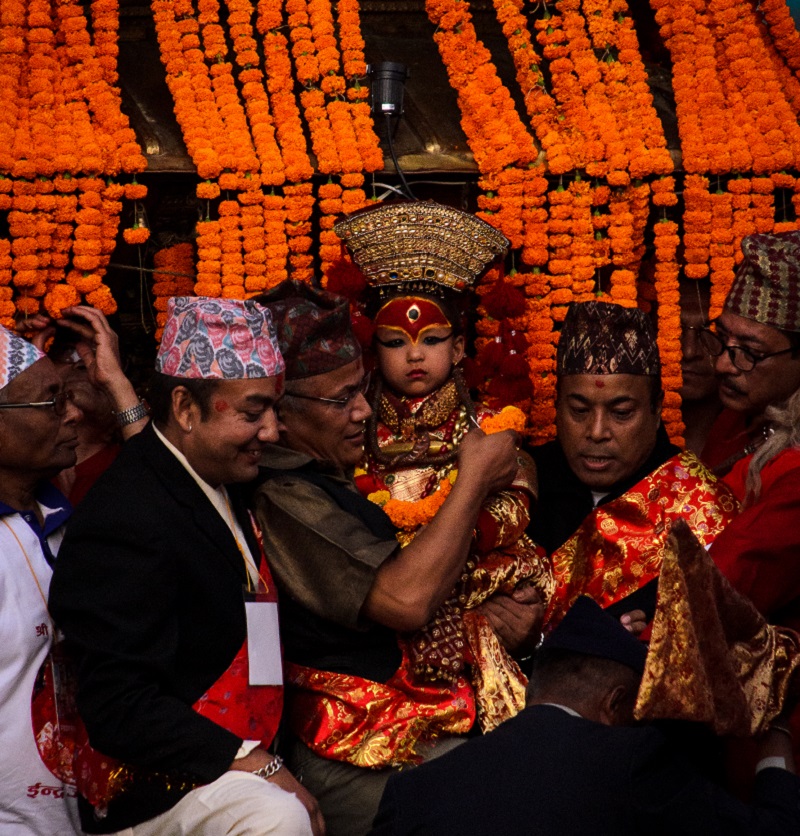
37 439
757 343
348 586
755 346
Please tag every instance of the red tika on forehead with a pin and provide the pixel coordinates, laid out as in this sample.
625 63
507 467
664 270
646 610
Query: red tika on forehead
412 315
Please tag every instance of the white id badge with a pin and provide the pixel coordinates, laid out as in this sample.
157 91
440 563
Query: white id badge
263 641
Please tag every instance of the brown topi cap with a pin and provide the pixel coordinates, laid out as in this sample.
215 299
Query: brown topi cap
314 330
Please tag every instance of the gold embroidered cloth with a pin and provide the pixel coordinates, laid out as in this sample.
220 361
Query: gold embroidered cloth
501 558
373 724
454 670
620 546
713 658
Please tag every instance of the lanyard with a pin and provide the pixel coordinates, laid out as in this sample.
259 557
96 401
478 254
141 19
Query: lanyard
249 565
30 567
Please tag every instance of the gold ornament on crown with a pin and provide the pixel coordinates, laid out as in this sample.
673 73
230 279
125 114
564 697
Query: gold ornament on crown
420 245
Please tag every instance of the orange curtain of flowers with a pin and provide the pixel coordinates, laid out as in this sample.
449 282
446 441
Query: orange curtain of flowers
67 155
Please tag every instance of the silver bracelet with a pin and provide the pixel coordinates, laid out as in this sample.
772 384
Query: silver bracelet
270 769
780 728
132 415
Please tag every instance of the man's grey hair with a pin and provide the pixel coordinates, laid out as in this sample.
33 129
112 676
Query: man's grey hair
784 421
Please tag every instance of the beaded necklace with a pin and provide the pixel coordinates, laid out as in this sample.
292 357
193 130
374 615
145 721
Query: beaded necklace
450 405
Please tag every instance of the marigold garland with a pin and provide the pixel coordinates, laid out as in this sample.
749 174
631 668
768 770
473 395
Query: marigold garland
410 514
721 249
173 276
62 126
737 96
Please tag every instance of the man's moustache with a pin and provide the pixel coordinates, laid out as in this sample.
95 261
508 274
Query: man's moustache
731 385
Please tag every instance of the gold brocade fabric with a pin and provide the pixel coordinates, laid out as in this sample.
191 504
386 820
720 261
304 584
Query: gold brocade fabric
497 679
620 546
458 641
373 724
713 658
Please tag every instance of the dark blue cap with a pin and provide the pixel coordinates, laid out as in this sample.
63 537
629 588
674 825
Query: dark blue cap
588 629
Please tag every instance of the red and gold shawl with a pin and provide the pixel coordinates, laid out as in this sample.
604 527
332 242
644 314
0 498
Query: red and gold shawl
619 547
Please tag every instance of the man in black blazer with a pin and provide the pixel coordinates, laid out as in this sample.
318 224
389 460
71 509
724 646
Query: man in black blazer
179 694
570 764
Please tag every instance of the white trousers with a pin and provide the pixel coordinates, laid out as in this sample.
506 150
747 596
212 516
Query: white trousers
236 804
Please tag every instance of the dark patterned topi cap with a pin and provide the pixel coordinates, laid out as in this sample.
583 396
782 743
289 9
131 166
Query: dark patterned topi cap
603 338
314 330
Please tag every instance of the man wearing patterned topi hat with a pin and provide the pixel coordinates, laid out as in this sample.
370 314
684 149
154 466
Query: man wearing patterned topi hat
572 763
757 338
168 606
611 484
37 439
755 346
348 586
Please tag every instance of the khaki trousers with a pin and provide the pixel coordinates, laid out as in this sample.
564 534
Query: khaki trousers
349 795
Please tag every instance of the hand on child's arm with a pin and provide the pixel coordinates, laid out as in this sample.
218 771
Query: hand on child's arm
516 618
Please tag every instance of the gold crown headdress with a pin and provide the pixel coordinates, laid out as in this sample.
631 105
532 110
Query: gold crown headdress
420 245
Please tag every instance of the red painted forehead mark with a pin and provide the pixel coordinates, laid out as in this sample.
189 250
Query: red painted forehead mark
221 405
599 383
411 315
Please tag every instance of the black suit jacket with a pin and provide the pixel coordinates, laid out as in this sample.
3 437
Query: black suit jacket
148 591
547 773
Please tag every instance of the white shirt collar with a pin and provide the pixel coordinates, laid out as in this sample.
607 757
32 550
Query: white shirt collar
562 707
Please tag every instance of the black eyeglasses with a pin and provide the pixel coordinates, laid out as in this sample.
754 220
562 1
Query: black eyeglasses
58 404
741 357
342 403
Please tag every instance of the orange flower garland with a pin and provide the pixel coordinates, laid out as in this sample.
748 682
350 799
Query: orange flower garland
410 515
783 30
277 64
582 247
276 246
173 276
61 118
495 133
697 226
534 218
621 239
545 115
560 240
667 274
721 249
209 259
256 100
785 182
542 340
704 123
232 256
330 204
299 204
743 219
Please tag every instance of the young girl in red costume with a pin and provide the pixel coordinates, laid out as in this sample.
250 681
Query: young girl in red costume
419 260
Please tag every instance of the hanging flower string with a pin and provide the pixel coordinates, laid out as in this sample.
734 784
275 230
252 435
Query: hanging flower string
62 131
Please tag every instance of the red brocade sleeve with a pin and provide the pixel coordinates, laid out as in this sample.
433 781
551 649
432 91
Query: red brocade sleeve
502 521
